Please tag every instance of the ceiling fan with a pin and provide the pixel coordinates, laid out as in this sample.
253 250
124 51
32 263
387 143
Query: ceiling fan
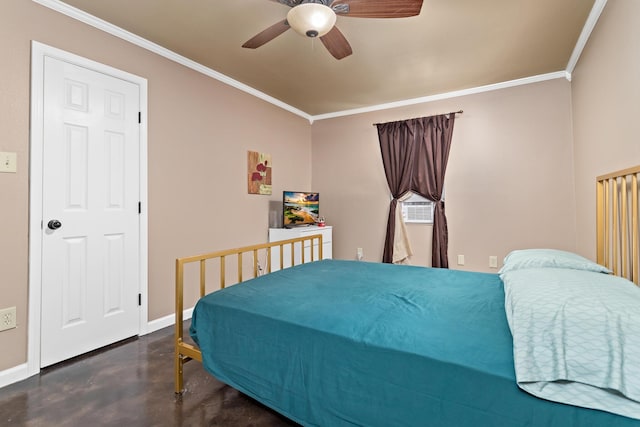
316 18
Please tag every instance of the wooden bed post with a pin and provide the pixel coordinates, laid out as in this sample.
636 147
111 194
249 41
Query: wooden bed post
600 222
178 362
635 249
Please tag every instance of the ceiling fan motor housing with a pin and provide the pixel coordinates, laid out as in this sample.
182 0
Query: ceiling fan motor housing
302 18
294 3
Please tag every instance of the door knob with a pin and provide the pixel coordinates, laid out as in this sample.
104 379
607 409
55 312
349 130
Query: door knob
54 224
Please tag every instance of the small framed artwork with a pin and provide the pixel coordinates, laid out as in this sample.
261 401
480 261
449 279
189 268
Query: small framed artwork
259 172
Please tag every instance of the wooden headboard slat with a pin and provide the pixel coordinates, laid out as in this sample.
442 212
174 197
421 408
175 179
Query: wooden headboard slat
635 250
617 222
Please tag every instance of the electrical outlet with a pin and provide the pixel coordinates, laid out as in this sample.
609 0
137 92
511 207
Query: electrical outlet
493 261
8 162
7 318
260 271
359 254
460 259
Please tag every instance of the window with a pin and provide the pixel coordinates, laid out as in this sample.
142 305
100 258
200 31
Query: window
416 209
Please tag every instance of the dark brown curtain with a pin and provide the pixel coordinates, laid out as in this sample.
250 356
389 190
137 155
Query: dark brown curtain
397 148
415 154
433 143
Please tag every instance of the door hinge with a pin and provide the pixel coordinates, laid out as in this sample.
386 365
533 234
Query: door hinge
139 299
139 116
139 207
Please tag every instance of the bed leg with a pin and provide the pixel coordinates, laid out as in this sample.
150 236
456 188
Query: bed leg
179 363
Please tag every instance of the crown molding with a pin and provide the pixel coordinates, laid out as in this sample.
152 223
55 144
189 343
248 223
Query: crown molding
109 28
447 95
596 10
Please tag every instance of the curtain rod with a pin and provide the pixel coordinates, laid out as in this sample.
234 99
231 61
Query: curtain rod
453 112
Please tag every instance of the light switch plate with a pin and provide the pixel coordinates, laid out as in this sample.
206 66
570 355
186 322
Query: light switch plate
8 162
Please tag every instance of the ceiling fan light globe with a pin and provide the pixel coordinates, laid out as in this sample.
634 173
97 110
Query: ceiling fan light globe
311 19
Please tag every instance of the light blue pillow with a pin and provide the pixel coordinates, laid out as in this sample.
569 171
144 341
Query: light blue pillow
549 258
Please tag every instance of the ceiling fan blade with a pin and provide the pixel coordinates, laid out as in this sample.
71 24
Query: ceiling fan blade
379 8
267 35
336 43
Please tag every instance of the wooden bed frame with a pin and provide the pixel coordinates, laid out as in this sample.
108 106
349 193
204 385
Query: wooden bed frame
617 222
185 352
617 216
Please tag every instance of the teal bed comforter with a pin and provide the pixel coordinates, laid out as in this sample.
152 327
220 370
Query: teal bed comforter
344 343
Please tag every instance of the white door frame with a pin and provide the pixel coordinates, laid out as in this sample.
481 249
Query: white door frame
38 52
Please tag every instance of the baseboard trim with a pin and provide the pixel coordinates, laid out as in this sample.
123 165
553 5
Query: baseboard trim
169 320
21 372
13 375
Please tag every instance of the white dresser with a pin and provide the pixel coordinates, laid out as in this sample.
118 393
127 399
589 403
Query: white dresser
276 234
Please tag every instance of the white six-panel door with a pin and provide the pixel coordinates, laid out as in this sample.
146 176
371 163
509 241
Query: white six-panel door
91 187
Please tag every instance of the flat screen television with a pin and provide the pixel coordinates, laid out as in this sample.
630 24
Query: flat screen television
300 208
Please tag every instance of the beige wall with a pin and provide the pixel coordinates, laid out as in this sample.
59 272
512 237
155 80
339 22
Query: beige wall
606 109
509 181
199 133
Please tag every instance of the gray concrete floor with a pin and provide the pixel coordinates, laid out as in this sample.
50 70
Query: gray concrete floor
130 384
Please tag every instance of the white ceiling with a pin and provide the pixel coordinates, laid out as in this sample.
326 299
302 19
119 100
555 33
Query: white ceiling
453 45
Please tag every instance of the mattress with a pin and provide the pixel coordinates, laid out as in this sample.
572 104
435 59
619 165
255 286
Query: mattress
346 343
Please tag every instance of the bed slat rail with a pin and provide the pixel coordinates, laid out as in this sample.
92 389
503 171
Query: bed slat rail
617 222
185 352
